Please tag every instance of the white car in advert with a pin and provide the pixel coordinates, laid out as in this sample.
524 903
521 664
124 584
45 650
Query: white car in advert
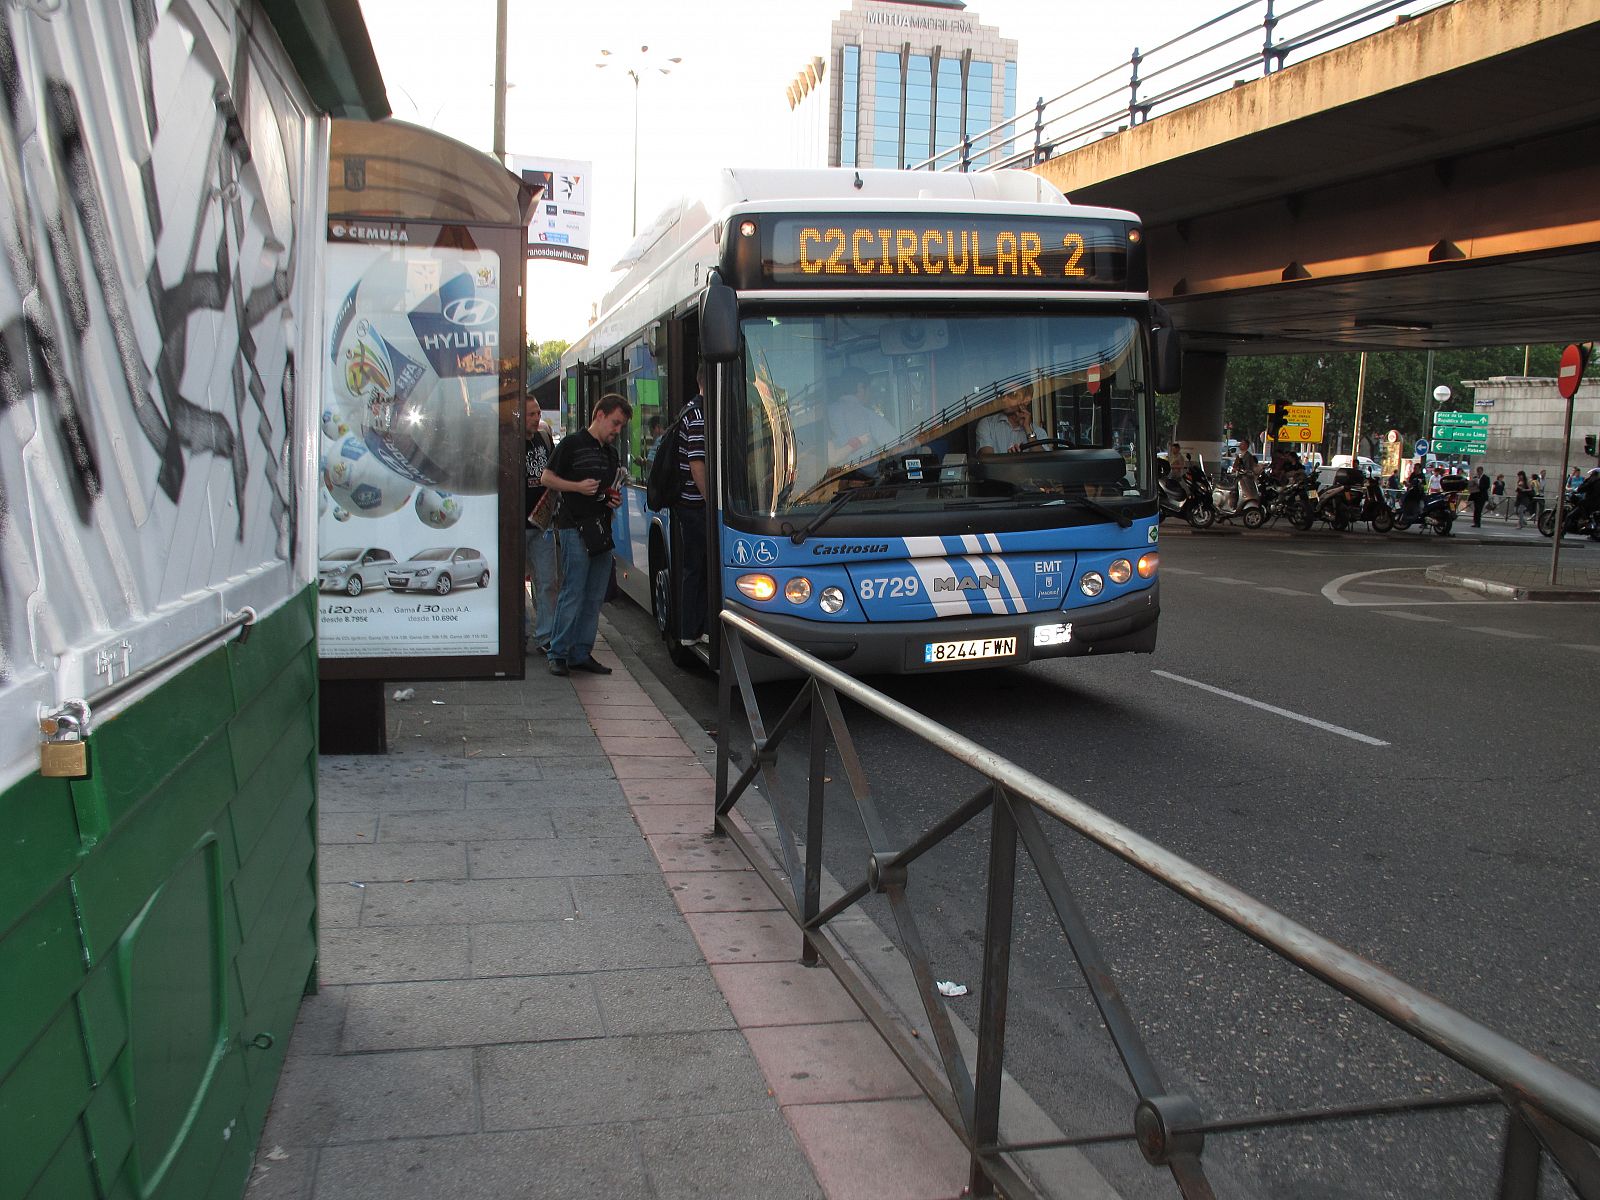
441 570
353 569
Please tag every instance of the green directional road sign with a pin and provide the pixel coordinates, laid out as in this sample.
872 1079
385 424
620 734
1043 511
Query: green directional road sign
1460 446
1445 422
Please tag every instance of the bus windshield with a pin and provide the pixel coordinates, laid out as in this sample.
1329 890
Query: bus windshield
916 411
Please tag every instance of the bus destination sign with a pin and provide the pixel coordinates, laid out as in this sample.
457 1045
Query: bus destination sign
899 251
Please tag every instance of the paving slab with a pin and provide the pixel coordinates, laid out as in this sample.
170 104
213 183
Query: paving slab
466 902
661 1000
523 822
561 856
399 860
721 891
325 1099
369 955
624 1079
826 1064
886 1150
783 993
469 1012
755 1156
582 944
600 1160
743 937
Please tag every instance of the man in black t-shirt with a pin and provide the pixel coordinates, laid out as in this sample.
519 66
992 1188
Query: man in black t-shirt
585 471
539 614
689 517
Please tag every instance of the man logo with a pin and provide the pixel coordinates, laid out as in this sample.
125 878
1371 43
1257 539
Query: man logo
471 310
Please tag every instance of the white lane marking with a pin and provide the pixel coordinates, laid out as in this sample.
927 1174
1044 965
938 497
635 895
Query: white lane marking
1283 591
1231 582
1580 646
1166 570
1330 592
1505 633
1282 712
1405 616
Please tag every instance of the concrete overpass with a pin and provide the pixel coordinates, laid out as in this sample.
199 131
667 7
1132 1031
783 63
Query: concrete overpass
1436 184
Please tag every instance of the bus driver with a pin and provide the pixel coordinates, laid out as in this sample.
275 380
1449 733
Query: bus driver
1013 428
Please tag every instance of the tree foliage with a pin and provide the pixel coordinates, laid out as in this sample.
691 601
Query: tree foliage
1399 392
544 354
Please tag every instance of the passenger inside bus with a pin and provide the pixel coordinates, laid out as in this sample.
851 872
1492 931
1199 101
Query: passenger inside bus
856 429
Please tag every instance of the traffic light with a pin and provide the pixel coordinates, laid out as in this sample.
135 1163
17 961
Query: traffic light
1588 445
1274 421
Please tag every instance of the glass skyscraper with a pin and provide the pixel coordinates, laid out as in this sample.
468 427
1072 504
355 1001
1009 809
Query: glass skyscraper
905 81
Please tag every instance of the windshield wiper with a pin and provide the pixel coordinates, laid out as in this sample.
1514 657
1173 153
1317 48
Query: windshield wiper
1094 506
798 536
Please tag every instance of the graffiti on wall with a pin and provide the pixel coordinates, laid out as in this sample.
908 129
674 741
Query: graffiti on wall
157 172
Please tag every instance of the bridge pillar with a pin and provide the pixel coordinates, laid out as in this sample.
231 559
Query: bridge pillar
1200 408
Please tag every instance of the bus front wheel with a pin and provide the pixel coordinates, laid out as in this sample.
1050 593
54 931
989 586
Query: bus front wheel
661 595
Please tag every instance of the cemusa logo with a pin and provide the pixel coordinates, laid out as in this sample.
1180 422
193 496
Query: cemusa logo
471 310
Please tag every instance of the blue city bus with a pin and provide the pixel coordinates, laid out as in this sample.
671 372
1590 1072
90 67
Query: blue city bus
929 418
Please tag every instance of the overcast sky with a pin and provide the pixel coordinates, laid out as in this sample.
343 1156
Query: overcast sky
722 106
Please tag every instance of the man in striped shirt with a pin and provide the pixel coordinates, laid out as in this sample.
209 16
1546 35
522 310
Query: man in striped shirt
689 516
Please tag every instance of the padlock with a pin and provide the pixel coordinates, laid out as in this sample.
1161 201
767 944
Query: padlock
64 760
63 754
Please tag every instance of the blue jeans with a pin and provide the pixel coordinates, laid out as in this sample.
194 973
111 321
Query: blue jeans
539 613
583 591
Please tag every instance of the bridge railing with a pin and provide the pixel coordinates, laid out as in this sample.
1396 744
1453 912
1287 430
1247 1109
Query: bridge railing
1197 63
1548 1111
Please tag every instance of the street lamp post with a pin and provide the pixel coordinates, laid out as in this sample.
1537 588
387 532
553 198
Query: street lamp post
640 65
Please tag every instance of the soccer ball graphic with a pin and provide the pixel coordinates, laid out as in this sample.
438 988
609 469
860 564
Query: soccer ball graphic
340 515
414 370
436 509
335 423
360 482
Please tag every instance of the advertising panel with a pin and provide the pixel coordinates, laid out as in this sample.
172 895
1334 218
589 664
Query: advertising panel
408 527
559 227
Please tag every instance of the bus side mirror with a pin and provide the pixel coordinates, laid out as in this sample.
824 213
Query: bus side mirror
719 323
1168 367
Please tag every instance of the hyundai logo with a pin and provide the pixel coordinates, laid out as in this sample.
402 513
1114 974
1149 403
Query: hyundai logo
470 310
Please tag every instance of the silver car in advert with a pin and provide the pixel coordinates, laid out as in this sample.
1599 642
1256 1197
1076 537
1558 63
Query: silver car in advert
441 570
354 569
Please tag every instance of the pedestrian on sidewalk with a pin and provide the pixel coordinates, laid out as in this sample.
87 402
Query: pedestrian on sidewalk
585 469
544 581
1524 499
1498 491
1480 497
689 515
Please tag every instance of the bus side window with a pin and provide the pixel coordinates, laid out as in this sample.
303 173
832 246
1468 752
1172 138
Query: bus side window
646 388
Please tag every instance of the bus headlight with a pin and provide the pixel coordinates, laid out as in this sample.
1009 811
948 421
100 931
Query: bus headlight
797 590
1092 583
758 587
831 600
1148 564
1120 571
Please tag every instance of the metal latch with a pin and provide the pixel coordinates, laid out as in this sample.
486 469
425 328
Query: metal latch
64 754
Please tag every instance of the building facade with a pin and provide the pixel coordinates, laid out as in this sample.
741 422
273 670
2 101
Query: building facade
1527 418
905 81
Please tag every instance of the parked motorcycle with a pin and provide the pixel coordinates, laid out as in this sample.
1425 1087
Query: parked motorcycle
1188 495
1240 499
1375 509
1298 501
1420 507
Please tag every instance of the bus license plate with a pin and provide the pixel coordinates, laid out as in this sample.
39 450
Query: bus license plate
943 652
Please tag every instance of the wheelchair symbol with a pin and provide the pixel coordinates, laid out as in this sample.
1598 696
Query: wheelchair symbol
766 553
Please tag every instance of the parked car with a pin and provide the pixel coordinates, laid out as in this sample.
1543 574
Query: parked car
354 569
440 569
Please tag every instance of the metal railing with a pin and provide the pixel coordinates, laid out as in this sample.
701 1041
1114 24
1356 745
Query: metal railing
1195 64
1549 1111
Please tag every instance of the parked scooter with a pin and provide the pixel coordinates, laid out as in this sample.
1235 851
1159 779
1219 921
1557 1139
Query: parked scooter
1188 495
1355 496
1341 502
1240 499
1420 507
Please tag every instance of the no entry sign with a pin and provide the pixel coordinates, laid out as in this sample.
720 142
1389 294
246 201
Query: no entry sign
1570 373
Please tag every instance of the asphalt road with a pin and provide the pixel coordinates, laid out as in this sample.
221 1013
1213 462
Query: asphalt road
1451 840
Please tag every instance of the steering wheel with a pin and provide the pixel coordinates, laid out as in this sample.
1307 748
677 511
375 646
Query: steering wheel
1063 443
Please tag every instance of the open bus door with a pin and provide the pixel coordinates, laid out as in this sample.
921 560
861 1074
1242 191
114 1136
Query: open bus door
684 362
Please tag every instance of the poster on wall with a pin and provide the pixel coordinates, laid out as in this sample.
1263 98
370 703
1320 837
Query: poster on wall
408 525
559 227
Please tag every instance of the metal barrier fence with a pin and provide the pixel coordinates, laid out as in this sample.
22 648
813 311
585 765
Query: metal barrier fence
1549 1111
1197 63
